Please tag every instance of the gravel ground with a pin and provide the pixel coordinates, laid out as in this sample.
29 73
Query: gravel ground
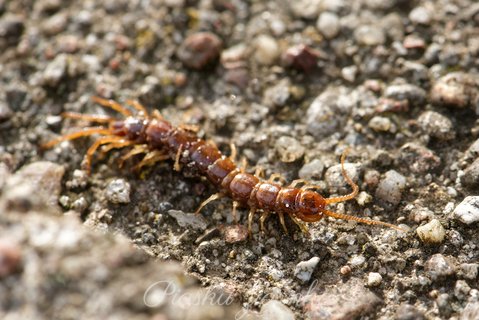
291 84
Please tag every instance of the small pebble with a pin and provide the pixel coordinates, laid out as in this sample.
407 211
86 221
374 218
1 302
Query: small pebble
274 309
267 50
118 191
55 71
381 124
80 205
471 175
468 210
308 9
415 95
364 198
408 312
79 180
369 35
345 270
470 311
457 89
349 73
301 58
325 114
432 232
200 50
55 24
11 30
305 269
235 233
34 185
5 112
469 271
312 171
334 175
390 188
357 261
10 258
193 220
289 149
439 266
461 289
328 24
436 125
374 279
418 158
420 15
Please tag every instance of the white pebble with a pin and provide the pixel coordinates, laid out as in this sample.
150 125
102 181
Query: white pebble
274 309
267 50
328 25
431 232
468 210
304 269
374 279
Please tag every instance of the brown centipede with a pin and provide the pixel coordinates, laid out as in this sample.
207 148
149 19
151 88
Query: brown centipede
159 140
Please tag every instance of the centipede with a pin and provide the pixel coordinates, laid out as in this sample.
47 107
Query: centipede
158 140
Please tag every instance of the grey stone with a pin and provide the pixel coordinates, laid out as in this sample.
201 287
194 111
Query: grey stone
118 191
390 188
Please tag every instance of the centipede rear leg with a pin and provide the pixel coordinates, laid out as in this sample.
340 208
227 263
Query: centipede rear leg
115 140
213 197
281 220
251 213
277 178
262 219
150 159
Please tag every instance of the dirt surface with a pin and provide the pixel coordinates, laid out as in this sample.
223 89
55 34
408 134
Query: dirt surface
292 85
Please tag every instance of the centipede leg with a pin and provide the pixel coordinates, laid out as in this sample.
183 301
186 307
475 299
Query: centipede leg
301 225
234 152
87 117
213 197
137 149
235 206
177 165
113 105
157 115
244 164
262 219
275 177
251 213
95 146
114 145
281 220
296 182
151 158
259 172
75 135
138 106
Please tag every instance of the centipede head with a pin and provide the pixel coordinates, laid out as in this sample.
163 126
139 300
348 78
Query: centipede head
310 205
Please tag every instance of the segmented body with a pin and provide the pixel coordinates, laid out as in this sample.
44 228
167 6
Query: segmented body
159 140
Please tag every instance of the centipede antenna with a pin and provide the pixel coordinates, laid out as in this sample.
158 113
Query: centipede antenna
355 187
77 134
87 117
113 105
361 220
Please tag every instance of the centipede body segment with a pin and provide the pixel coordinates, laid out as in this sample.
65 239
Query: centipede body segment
158 139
